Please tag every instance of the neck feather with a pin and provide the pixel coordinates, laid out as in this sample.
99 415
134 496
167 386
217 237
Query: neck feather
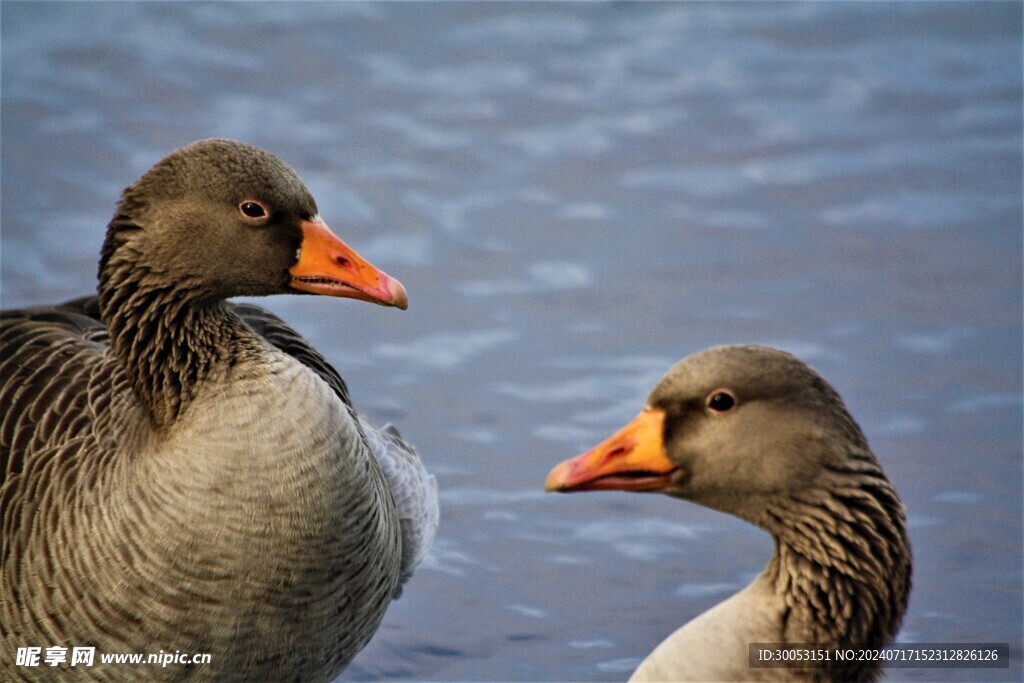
842 559
167 335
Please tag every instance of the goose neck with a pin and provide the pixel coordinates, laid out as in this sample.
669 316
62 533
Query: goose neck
842 561
168 339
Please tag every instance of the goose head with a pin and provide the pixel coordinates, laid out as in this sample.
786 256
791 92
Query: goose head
220 218
732 428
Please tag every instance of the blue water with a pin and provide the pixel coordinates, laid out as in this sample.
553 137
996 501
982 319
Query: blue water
576 196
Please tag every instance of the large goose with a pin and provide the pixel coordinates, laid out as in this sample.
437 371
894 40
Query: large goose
755 432
186 475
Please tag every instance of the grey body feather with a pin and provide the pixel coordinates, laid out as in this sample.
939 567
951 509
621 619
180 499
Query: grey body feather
78 529
413 489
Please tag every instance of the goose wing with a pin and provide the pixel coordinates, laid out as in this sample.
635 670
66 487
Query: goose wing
414 491
50 357
47 355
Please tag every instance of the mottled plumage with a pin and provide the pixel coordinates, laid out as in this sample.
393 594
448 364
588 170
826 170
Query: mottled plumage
185 474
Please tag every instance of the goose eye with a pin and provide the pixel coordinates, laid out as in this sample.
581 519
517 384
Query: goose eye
251 209
721 401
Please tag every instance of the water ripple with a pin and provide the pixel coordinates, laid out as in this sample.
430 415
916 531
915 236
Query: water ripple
446 350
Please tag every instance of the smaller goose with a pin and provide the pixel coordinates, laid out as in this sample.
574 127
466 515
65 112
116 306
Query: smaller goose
755 432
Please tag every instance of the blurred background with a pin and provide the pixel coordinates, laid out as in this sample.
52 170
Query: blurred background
576 196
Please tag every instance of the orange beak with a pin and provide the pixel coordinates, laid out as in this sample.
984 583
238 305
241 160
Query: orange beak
328 266
633 459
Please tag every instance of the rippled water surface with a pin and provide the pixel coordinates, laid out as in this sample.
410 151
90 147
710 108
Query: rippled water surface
576 196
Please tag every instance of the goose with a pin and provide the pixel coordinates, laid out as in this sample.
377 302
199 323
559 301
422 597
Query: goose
186 475
755 432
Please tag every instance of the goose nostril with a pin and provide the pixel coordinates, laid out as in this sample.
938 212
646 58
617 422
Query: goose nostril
342 261
616 452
